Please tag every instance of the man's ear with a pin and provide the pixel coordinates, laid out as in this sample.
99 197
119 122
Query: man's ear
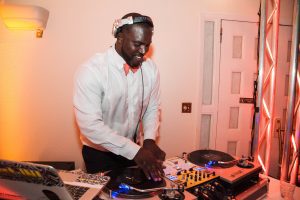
119 42
120 37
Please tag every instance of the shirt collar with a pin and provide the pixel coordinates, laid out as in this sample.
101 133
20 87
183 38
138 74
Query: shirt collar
116 60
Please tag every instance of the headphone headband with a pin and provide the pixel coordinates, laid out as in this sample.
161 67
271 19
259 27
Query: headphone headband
129 20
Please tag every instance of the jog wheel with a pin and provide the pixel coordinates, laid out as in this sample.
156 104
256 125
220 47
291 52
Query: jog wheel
134 177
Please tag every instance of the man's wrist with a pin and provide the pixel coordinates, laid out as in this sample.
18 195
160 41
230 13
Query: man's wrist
149 141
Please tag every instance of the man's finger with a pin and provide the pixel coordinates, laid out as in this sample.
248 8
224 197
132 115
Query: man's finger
155 175
147 174
160 167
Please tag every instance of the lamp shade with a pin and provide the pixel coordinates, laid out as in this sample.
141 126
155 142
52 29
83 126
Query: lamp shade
24 17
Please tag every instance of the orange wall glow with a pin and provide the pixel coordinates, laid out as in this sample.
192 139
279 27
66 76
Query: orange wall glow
10 140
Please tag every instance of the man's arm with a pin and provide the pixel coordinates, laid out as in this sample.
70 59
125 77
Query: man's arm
150 157
87 107
151 118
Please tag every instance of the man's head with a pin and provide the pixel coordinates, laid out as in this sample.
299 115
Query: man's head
134 36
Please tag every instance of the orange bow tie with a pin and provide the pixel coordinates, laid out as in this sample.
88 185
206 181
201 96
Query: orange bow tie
127 68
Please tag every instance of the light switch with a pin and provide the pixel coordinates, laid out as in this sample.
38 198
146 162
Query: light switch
186 108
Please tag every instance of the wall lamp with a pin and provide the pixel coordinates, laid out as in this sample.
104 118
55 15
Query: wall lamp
24 17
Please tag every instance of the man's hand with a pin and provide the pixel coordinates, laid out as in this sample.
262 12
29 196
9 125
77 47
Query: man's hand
149 163
157 152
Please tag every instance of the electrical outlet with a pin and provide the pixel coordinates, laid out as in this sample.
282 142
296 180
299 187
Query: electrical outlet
186 108
277 128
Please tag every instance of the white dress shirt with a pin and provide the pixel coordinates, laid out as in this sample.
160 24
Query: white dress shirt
108 103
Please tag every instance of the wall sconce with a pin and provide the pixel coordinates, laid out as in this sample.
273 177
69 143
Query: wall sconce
24 17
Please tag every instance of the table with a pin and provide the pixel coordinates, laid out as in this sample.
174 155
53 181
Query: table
274 189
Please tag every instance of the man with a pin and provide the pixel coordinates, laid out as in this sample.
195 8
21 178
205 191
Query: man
115 94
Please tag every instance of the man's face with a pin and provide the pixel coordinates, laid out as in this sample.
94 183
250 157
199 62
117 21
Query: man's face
135 44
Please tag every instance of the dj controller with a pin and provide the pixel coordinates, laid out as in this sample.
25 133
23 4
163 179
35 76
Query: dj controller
202 174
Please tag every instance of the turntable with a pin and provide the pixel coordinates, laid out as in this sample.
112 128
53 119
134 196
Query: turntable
131 183
132 177
236 175
229 168
211 158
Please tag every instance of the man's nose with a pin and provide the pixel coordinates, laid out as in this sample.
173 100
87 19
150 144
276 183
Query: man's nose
142 49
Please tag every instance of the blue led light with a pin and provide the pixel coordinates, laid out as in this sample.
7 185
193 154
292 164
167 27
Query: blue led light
172 177
114 194
199 168
124 187
212 163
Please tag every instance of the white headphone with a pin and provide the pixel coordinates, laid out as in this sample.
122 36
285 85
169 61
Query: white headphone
129 20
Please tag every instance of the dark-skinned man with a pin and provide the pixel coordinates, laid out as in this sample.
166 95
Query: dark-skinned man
117 94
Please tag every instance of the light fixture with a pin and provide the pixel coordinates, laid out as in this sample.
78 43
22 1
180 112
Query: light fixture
24 17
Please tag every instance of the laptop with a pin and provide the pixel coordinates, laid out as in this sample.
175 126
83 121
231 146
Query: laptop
22 180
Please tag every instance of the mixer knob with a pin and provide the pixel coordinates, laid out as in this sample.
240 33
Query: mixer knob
196 190
182 177
181 188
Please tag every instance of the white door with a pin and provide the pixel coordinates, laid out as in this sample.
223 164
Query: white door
238 68
238 71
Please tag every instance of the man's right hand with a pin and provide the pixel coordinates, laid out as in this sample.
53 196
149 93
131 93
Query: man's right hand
151 166
156 151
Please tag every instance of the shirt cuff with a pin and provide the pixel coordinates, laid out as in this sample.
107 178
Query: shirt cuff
152 137
130 150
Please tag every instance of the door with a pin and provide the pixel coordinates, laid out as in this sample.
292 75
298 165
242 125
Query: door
238 69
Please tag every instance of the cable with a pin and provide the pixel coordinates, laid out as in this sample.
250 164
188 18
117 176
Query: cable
256 109
140 116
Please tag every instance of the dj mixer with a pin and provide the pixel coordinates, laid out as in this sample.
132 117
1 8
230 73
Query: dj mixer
187 174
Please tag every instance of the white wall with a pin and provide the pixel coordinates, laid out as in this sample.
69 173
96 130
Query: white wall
36 75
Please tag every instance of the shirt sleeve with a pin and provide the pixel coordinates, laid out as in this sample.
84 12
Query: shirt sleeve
88 113
151 118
